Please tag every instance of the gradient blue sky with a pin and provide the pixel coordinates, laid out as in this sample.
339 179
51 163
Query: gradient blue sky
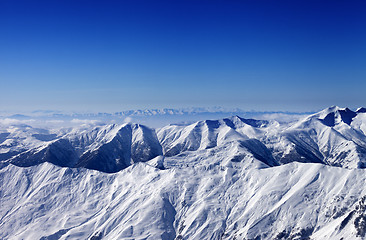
116 55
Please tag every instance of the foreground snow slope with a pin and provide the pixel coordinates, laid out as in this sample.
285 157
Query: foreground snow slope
205 197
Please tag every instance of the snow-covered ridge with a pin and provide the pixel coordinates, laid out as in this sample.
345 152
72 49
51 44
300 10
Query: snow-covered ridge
334 136
108 148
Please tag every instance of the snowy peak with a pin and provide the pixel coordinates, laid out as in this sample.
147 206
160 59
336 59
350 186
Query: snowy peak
335 115
330 117
334 136
208 134
121 146
110 148
144 144
253 122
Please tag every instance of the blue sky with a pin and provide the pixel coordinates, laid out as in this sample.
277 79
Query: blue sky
116 55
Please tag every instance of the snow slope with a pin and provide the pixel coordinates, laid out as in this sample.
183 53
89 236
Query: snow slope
205 197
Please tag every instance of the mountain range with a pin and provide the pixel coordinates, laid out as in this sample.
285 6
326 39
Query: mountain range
232 178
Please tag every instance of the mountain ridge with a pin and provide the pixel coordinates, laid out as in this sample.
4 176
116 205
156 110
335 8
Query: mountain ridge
327 137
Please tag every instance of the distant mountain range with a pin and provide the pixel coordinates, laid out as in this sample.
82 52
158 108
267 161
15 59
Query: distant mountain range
232 178
143 112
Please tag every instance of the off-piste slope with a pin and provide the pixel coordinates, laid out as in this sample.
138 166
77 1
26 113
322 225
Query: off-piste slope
199 195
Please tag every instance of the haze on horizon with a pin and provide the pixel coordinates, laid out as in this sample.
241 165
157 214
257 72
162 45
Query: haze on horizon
118 55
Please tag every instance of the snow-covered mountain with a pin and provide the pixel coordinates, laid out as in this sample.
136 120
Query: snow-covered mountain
334 136
331 136
232 178
109 148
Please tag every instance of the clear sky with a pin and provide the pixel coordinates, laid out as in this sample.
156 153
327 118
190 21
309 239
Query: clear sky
109 56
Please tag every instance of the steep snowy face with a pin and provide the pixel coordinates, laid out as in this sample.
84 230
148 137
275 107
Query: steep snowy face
109 148
359 122
335 115
331 117
19 137
208 134
333 136
145 144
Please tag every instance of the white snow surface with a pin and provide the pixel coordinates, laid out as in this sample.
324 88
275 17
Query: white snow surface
232 178
205 197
